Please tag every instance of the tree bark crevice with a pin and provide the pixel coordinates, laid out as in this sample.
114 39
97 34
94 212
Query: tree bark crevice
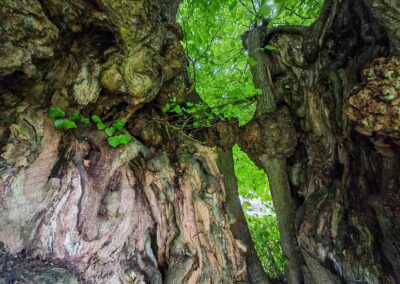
329 181
165 209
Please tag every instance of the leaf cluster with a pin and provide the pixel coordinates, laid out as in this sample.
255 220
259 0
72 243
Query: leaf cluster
219 65
117 135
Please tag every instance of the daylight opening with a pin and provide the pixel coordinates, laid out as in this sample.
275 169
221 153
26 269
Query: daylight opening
256 201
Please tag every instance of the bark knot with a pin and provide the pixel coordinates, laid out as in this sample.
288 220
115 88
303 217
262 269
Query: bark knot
375 108
273 135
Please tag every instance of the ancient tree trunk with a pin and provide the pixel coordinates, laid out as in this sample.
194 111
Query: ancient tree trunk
71 207
326 132
333 133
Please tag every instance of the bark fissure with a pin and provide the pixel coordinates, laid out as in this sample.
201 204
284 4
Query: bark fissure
148 212
165 209
336 230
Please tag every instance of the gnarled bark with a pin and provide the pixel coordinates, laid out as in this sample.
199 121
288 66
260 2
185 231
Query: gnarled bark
338 83
71 207
326 132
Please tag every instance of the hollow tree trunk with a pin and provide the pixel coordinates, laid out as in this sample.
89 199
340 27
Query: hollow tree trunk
328 122
71 207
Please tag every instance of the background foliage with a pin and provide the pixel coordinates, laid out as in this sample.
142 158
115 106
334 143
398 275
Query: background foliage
220 69
257 204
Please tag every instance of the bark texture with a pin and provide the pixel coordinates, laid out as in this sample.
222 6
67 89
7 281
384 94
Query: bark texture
165 208
337 84
72 209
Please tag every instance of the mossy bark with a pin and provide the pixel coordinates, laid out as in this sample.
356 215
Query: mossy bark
337 82
326 131
73 209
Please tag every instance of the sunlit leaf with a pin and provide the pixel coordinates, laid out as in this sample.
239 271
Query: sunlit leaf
124 139
59 123
96 119
109 131
119 124
56 112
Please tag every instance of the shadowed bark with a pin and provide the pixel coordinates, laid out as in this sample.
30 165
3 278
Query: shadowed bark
165 208
73 209
337 84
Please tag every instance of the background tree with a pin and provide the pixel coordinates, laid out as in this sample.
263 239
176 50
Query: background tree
165 207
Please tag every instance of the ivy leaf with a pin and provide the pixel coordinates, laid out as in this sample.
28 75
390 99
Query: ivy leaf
100 126
96 119
110 131
124 139
114 141
74 116
119 124
85 120
59 123
56 112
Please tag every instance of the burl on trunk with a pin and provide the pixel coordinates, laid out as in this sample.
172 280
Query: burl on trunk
164 208
72 208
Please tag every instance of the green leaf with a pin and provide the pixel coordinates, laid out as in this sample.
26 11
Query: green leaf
124 139
59 123
74 116
189 104
100 126
56 112
85 120
110 131
114 141
270 47
96 119
196 124
70 124
266 10
232 5
177 109
119 124
64 123
166 108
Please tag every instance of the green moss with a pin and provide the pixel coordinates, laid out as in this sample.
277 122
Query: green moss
112 80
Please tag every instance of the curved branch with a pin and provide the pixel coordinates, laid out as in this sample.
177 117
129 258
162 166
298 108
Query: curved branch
289 29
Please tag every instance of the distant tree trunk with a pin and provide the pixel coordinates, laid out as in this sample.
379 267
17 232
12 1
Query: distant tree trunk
327 133
71 207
